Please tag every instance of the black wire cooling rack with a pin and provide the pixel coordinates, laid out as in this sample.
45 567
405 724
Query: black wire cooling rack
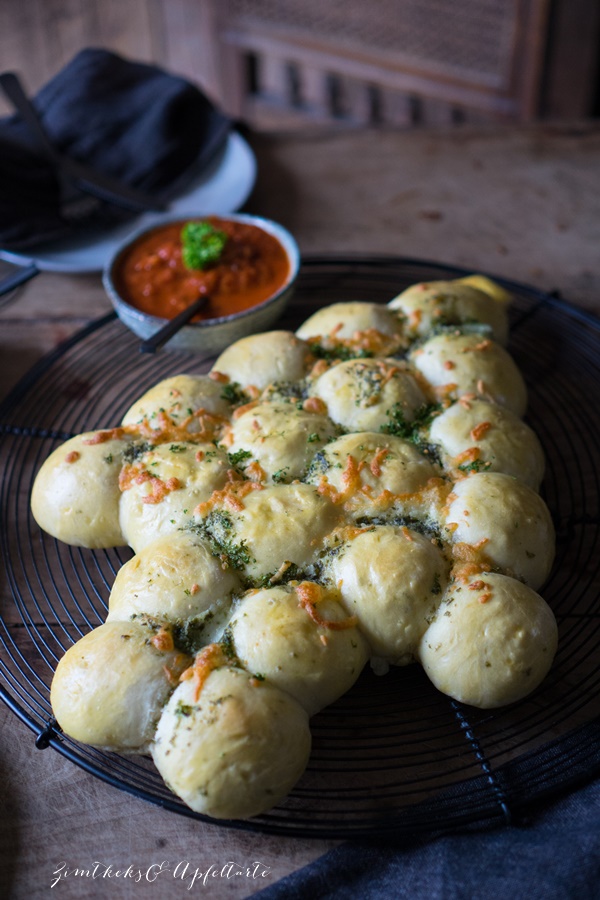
393 756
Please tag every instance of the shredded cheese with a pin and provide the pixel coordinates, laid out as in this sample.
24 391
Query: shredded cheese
136 474
163 640
480 431
210 658
231 496
309 594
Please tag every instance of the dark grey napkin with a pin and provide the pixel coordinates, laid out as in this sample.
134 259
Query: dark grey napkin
145 127
551 852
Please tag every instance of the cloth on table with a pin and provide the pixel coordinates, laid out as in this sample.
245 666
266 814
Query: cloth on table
551 852
143 126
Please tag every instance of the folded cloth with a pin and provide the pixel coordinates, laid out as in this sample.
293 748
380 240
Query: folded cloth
552 852
135 122
556 856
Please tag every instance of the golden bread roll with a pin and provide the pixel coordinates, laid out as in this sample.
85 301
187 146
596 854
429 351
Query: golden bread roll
433 303
273 527
76 495
506 522
489 287
299 638
179 397
362 394
177 578
260 359
281 438
391 579
343 320
491 643
110 687
361 466
234 749
456 364
477 435
163 486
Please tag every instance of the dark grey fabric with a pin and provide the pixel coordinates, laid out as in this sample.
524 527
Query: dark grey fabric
555 856
145 127
551 852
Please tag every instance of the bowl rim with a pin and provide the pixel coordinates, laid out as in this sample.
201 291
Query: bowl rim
285 238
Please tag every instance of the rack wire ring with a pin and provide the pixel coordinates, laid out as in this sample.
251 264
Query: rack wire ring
393 756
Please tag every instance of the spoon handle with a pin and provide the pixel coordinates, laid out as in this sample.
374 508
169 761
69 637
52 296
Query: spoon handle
21 275
164 334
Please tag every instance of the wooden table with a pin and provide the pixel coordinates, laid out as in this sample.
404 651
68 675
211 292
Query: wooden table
523 203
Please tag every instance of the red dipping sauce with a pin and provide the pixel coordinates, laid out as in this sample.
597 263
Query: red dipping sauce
151 275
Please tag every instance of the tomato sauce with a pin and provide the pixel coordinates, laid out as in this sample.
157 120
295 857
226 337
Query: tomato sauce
152 276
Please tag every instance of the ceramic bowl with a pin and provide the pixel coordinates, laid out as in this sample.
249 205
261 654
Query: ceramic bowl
211 335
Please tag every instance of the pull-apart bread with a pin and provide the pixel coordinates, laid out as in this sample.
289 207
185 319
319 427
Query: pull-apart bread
364 490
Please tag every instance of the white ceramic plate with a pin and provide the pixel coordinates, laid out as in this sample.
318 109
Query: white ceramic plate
220 190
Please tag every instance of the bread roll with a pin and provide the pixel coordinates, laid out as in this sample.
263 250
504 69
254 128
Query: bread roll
235 749
345 319
299 638
274 527
76 495
110 687
179 397
260 359
281 437
177 578
492 641
361 394
455 364
161 489
433 303
506 521
362 465
502 442
489 287
392 580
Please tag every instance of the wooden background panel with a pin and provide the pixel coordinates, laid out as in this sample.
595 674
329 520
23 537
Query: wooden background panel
39 37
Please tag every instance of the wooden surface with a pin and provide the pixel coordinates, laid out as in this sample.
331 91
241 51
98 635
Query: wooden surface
523 203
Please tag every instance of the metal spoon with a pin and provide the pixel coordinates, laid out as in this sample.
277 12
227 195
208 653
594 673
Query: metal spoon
164 334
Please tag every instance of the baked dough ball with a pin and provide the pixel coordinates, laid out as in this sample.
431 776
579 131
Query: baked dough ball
299 638
391 579
455 364
110 687
260 359
161 489
507 521
492 641
432 303
362 465
76 495
279 525
176 578
489 287
503 443
345 319
236 749
361 394
281 438
179 397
